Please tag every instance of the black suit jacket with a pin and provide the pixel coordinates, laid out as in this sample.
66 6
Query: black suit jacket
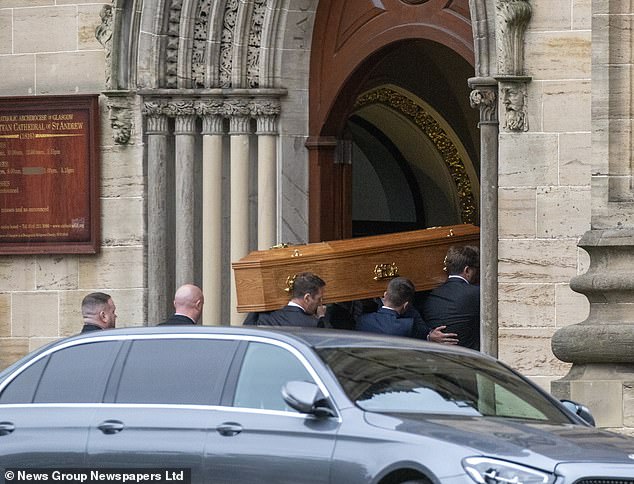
288 316
420 329
455 304
177 319
386 321
91 327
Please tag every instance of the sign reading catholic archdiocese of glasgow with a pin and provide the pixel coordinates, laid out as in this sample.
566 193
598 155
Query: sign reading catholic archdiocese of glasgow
49 175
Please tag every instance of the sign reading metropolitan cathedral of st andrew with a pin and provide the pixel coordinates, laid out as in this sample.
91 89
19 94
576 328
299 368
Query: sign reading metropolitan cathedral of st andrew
49 175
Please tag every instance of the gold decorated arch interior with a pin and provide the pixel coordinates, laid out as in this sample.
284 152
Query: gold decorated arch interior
449 166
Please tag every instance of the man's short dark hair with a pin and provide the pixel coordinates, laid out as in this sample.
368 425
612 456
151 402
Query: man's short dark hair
93 302
307 283
399 291
459 257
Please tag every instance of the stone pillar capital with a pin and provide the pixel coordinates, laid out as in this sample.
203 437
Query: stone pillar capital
266 112
210 108
266 124
239 113
157 123
212 113
236 107
239 125
212 124
180 108
154 108
185 124
484 98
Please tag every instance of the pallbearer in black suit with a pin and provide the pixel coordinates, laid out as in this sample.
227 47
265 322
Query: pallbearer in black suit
388 319
397 316
98 312
305 307
456 303
188 305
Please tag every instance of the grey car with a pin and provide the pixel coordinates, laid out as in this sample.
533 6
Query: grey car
249 405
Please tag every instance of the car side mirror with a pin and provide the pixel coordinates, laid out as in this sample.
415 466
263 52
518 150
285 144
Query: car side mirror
306 397
580 411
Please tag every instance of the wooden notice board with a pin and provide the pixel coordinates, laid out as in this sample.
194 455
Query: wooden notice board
49 175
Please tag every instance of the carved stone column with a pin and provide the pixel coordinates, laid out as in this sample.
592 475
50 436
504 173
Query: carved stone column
601 348
266 113
484 98
212 209
185 135
157 131
239 129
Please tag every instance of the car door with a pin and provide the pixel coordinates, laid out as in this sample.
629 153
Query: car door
161 404
45 409
259 439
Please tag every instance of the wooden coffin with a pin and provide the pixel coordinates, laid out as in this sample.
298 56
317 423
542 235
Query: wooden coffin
353 268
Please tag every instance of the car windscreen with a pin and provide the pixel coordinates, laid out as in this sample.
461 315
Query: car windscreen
398 380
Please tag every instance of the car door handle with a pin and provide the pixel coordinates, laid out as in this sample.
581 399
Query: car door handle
111 426
229 429
6 428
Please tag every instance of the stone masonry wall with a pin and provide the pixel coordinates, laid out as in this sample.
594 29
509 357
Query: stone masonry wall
544 191
48 47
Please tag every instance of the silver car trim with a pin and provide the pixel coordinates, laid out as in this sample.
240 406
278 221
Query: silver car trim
128 337
174 406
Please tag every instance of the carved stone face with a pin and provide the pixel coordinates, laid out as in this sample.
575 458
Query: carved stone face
514 101
121 126
513 98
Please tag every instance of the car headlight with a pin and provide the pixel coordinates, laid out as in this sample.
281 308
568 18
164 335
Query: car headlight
484 470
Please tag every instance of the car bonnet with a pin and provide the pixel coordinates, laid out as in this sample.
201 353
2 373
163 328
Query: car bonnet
532 443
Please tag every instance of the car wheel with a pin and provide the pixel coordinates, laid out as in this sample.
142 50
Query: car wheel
416 481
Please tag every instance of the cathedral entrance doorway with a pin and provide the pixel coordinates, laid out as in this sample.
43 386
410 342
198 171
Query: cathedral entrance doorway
393 140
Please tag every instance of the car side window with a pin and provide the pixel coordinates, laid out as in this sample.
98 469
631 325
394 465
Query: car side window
22 388
77 374
265 370
508 404
175 371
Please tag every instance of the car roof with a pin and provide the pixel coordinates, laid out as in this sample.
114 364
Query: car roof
317 338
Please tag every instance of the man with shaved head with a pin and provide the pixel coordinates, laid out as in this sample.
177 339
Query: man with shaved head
188 305
98 312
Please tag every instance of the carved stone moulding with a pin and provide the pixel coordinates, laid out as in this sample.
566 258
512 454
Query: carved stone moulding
512 19
607 335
